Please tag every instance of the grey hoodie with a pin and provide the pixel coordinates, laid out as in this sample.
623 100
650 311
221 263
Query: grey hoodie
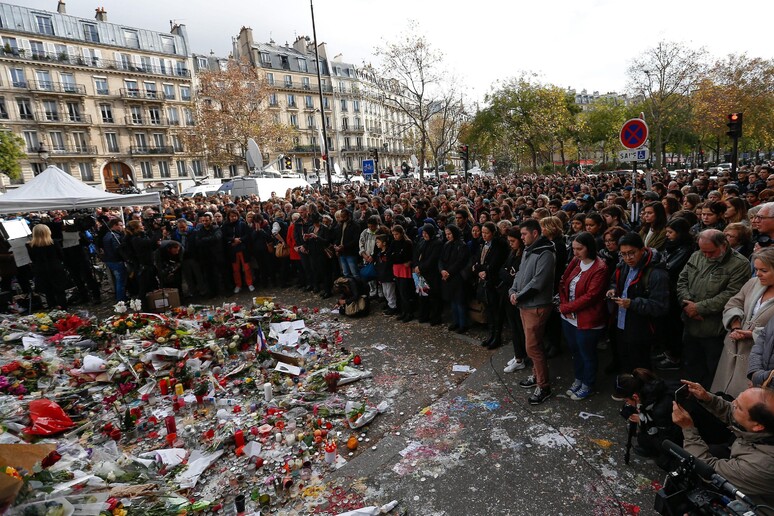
534 283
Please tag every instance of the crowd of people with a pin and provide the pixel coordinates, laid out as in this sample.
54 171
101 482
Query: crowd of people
678 276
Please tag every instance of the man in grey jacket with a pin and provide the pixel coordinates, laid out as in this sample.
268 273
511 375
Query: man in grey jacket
532 293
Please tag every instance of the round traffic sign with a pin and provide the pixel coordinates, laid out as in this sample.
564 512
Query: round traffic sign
634 133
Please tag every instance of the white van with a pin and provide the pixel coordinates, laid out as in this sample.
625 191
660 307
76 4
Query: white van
200 191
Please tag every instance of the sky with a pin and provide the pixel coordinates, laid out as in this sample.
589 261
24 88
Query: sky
582 45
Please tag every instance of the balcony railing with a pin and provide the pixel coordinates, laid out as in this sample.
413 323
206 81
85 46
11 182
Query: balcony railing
306 148
147 150
147 121
128 93
47 117
93 62
58 87
67 150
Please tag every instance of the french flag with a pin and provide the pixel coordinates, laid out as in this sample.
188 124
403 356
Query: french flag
261 344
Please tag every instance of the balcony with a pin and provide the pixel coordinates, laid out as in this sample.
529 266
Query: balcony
352 148
46 117
306 148
128 93
105 64
59 88
67 150
146 150
353 130
147 121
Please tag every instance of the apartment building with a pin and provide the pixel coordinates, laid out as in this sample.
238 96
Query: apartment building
103 101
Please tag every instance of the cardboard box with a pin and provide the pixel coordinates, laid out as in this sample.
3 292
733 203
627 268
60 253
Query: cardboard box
163 299
476 311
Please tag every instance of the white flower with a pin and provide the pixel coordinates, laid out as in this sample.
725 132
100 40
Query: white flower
120 307
135 304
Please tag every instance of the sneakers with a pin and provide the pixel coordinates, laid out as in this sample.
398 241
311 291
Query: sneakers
581 394
529 382
540 395
237 290
667 364
514 365
573 388
251 288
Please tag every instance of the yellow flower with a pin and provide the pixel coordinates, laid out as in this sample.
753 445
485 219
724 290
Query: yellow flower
129 324
116 324
44 327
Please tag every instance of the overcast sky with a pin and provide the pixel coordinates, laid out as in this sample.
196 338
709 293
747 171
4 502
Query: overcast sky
568 43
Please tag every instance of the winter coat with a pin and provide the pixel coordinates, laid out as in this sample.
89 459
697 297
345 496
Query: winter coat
367 242
383 265
761 361
427 253
533 284
659 239
143 247
750 468
209 246
731 373
589 307
710 284
233 230
347 234
291 242
48 267
648 302
111 243
454 258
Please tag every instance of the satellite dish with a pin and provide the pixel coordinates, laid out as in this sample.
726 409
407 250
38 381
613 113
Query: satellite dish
254 158
414 161
475 164
337 168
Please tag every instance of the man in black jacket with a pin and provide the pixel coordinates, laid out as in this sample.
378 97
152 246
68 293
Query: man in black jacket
346 241
209 254
111 243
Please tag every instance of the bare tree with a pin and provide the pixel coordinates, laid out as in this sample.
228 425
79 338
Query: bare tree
664 77
444 127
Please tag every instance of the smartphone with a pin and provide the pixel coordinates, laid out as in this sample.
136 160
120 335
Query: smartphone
682 394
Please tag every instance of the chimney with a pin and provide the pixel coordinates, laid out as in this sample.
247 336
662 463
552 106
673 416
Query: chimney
101 14
60 7
300 44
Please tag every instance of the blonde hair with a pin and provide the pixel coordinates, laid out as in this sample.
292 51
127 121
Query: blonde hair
552 226
41 236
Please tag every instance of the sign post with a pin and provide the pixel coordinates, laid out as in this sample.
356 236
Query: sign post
368 169
634 134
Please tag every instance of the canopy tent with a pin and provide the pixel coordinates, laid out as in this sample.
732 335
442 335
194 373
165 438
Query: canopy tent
55 189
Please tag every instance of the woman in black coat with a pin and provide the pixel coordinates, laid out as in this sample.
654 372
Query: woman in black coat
486 271
453 264
427 252
508 312
401 252
48 267
316 241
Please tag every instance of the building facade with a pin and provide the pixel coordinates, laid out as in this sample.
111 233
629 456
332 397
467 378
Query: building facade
105 101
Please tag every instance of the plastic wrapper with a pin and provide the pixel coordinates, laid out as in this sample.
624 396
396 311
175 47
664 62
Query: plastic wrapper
48 418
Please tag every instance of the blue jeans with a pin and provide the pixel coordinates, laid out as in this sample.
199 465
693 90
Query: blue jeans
120 276
459 314
349 267
583 346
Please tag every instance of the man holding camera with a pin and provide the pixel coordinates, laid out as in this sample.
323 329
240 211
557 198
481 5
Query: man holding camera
750 467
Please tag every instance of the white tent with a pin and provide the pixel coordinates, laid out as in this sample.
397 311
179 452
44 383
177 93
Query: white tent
55 189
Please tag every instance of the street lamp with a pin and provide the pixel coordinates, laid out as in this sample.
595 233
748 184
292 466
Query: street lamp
43 153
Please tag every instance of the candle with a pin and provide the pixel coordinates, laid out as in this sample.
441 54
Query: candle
267 394
179 389
164 386
171 424
290 439
239 438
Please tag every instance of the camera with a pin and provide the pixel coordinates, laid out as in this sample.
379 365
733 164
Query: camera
763 240
627 411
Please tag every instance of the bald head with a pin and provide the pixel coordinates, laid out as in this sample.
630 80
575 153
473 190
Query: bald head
758 404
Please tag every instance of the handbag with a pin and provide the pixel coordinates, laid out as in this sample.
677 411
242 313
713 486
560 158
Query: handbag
368 272
270 248
281 250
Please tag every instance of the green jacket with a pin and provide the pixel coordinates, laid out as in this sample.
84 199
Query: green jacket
710 284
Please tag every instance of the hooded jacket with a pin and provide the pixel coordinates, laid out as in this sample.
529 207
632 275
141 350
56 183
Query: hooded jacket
648 301
534 283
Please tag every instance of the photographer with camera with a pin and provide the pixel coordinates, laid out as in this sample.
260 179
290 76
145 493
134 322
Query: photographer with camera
750 467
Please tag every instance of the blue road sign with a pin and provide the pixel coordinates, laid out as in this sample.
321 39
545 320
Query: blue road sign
634 133
368 168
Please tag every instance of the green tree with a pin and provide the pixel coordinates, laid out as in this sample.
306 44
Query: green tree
11 154
600 126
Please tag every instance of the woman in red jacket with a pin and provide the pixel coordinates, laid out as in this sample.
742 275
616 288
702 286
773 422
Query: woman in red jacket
584 311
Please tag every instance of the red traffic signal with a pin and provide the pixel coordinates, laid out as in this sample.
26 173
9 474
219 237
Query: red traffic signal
735 125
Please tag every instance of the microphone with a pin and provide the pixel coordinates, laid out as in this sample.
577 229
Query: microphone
706 471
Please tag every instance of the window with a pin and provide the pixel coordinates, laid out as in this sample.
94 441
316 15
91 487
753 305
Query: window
202 62
68 83
92 57
136 114
44 80
126 61
310 121
185 92
141 141
145 64
25 109
87 172
159 140
182 171
38 51
343 104
337 70
233 171
131 38
265 57
291 101
345 123
12 45
272 99
3 110
164 168
169 91
131 88
111 141
31 139
305 83
147 170
101 86
347 142
294 120
168 45
270 79
79 141
302 65
180 69
196 165
37 168
357 124
188 115
106 111
217 172
154 115
284 62
177 143
57 141
299 164
90 32
173 114
17 78
150 90
288 81
74 112
44 24
326 103
308 102
51 110
356 106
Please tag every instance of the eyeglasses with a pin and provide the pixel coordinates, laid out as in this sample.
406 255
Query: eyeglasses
761 217
629 254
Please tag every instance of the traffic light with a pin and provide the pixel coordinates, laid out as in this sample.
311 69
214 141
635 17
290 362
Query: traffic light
464 155
735 125
374 153
288 163
317 163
